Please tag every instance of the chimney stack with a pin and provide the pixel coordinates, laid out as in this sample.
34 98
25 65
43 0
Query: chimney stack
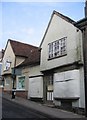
86 8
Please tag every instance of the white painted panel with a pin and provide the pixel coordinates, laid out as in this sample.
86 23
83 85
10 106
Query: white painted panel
35 87
69 86
59 76
48 96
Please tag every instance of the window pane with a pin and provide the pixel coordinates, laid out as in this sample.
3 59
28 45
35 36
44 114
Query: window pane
7 82
50 50
57 48
21 83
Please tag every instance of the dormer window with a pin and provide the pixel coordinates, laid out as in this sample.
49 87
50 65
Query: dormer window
57 48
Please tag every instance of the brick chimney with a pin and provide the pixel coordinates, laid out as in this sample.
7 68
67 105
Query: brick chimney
86 8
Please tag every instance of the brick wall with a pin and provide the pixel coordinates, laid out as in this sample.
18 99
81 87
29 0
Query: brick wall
23 94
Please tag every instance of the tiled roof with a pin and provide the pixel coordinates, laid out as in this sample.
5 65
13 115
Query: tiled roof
1 55
33 58
30 52
21 49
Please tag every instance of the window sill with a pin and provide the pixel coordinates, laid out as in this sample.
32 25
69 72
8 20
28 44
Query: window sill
20 89
57 57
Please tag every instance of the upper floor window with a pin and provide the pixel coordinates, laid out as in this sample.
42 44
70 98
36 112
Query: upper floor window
57 48
7 64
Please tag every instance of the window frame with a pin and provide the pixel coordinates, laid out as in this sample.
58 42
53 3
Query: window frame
58 48
7 82
22 89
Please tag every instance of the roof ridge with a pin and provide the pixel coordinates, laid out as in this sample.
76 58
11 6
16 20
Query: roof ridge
64 17
69 20
21 43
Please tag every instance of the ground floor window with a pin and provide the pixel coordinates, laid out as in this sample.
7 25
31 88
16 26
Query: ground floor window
21 83
7 82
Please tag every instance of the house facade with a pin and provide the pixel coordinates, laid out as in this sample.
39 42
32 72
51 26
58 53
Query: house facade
62 63
0 68
31 68
1 57
35 91
55 73
16 53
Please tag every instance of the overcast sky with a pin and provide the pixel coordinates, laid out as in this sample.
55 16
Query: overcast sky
27 21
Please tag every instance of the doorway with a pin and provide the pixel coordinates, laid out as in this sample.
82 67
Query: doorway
48 88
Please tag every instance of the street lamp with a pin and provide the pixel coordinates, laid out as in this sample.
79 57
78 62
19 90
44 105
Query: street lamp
14 78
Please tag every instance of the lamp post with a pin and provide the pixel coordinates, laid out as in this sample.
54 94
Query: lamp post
13 77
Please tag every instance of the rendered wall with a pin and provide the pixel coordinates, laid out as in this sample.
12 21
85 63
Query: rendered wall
8 55
58 29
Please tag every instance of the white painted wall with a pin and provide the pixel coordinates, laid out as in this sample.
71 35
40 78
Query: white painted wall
58 29
35 87
67 89
34 71
9 54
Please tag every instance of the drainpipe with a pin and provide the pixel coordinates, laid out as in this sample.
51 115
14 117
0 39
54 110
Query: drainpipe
85 66
85 58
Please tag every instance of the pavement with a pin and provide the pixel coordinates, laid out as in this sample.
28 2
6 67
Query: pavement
49 111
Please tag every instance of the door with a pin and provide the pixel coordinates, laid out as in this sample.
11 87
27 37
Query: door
48 88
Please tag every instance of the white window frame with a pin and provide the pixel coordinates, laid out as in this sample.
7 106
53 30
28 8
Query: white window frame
18 83
57 48
7 65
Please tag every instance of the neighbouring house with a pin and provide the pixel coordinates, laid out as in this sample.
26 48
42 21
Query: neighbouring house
31 68
62 63
0 67
17 53
1 56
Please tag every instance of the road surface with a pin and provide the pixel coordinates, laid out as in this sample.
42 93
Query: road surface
14 110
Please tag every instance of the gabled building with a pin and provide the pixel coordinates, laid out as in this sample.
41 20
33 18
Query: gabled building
62 63
1 56
30 68
0 68
17 53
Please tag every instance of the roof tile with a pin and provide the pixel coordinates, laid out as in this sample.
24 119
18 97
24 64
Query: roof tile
30 52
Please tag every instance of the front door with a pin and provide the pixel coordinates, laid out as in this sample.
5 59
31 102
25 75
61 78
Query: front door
48 88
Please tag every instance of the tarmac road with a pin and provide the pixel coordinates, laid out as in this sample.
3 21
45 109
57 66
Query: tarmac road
14 110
